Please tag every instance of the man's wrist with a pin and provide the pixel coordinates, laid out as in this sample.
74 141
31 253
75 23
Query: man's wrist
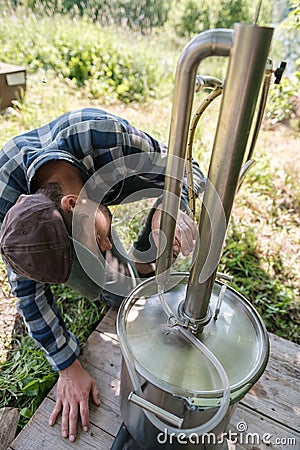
65 373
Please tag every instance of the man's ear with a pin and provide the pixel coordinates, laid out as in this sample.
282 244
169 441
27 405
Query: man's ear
68 202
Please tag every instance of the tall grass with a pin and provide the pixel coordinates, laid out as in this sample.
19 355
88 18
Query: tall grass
108 64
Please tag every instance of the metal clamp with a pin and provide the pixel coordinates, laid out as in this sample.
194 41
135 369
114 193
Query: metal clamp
200 404
193 324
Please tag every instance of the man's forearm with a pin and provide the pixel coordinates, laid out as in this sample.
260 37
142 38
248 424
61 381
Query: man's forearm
37 306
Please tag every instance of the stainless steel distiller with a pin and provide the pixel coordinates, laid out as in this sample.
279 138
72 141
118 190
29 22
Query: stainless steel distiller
192 346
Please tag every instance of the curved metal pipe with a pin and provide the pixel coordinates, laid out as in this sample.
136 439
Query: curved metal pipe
209 43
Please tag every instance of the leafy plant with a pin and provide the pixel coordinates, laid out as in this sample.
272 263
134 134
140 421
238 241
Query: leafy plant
193 19
72 62
143 15
270 296
25 377
190 17
284 101
93 58
230 12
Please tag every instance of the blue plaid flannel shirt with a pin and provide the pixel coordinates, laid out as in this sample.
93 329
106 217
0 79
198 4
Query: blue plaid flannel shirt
90 139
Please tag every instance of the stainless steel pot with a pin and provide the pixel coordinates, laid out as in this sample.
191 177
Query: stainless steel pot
173 374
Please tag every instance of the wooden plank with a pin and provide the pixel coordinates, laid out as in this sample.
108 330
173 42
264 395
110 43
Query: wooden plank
103 352
37 435
260 432
9 418
287 352
108 323
101 356
277 394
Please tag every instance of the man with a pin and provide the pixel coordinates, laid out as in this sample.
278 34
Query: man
55 185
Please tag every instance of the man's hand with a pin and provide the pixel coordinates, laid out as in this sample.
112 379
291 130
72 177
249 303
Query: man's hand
74 387
185 232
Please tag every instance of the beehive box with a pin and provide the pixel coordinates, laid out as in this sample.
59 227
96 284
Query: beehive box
12 83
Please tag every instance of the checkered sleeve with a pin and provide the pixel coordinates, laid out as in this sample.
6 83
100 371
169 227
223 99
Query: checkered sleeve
43 320
151 165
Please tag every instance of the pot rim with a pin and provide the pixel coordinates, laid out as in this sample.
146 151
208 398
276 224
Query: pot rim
239 388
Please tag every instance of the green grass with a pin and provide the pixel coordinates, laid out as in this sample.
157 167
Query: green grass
107 64
25 377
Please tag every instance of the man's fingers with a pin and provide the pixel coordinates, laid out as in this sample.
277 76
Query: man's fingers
73 391
73 419
55 412
65 421
185 233
95 394
187 224
187 241
176 246
184 240
85 415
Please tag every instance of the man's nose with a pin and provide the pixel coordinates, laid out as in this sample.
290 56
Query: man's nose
106 245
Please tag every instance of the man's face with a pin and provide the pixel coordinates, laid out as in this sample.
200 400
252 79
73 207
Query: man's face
103 230
93 226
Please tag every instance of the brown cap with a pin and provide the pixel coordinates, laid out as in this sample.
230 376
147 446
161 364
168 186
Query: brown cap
34 240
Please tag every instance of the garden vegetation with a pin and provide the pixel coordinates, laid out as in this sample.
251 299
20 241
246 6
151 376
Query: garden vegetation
121 55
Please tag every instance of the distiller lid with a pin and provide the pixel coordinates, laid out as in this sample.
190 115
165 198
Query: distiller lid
166 358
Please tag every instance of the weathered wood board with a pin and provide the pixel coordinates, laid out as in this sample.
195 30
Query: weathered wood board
9 418
269 413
